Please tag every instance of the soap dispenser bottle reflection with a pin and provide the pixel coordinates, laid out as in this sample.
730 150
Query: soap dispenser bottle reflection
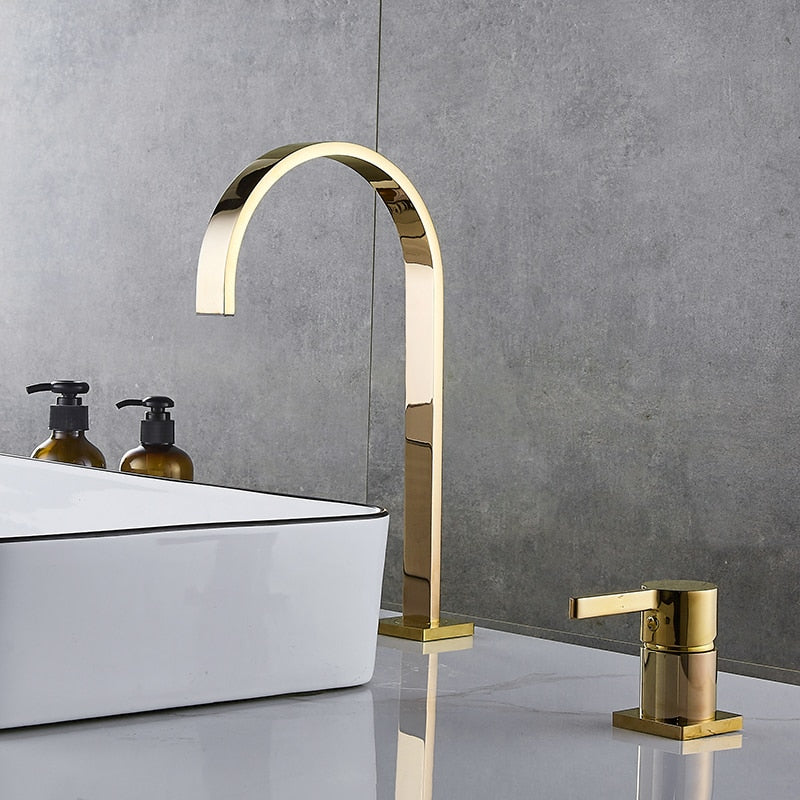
69 421
157 454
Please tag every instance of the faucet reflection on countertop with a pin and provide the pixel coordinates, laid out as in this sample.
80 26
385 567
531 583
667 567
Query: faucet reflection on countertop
416 714
216 282
677 770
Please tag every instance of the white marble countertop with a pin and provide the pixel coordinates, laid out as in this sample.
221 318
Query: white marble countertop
508 717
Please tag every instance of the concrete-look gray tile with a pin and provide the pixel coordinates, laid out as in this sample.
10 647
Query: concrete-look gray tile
615 191
124 125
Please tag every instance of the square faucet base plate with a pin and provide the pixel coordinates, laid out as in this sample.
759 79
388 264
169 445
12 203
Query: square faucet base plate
446 629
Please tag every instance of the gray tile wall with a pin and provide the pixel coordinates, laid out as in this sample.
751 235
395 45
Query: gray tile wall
123 124
615 185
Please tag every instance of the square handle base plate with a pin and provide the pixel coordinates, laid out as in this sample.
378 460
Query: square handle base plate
723 722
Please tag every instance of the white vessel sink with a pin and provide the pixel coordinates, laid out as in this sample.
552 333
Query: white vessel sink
124 593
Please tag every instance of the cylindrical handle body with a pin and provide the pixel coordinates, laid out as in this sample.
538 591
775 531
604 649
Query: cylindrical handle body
684 618
679 688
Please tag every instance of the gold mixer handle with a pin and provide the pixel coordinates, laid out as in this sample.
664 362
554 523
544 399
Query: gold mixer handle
604 605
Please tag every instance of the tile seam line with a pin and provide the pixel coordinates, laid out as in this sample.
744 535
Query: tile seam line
374 256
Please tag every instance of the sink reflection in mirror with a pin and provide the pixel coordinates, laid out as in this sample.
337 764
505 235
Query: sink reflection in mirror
321 745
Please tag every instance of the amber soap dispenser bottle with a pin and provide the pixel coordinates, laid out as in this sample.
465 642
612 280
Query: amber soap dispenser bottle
69 421
157 454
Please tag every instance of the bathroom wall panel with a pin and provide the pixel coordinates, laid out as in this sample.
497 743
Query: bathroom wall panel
122 125
616 190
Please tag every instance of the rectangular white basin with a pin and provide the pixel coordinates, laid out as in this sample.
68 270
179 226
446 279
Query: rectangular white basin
124 593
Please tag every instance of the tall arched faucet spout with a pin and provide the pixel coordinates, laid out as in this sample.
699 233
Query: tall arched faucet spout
216 285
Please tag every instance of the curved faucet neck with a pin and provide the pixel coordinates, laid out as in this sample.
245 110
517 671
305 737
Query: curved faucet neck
216 286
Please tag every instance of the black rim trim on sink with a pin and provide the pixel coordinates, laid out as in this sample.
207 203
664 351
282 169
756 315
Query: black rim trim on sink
378 512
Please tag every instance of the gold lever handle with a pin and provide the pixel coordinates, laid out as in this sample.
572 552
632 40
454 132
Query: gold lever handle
678 695
683 613
604 605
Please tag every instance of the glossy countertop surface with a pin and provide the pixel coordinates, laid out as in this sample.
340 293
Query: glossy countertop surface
509 716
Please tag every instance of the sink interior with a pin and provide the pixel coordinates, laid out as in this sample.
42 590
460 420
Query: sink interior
46 498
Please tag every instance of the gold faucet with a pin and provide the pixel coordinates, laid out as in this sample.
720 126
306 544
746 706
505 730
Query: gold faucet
678 692
216 283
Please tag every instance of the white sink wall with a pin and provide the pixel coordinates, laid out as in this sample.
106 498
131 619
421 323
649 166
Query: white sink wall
121 593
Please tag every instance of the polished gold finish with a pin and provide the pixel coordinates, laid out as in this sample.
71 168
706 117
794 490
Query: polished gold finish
681 747
446 629
678 685
684 613
678 696
606 604
722 722
429 648
216 282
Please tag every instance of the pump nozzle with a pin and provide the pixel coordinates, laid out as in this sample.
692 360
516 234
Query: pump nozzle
157 404
69 389
68 413
157 426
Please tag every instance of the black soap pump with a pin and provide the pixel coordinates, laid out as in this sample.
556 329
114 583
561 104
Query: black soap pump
157 454
69 419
